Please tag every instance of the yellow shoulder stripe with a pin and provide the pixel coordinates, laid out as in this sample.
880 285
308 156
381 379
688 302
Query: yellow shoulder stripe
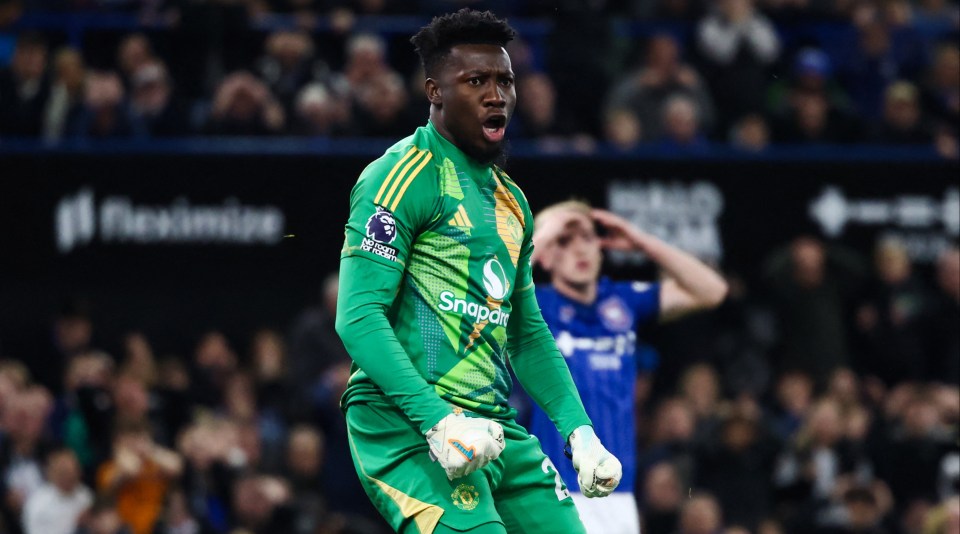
383 187
410 177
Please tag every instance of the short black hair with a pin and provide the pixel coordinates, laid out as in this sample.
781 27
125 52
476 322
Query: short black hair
467 26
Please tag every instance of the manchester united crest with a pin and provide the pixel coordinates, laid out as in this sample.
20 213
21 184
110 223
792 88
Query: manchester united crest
465 497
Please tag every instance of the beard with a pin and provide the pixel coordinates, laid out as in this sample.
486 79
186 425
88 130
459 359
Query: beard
497 156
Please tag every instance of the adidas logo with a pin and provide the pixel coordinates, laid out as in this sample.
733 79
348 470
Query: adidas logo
460 218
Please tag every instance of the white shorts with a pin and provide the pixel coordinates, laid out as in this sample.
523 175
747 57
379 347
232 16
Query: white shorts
613 514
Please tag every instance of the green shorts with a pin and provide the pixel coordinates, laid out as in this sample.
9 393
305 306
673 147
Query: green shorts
520 490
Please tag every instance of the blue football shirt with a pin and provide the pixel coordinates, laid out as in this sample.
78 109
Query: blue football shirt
599 344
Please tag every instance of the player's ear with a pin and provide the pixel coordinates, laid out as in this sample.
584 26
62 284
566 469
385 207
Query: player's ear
432 88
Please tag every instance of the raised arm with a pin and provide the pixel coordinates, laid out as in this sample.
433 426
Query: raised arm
690 284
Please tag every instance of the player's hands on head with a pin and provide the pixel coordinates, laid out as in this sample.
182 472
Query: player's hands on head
462 444
619 234
552 229
598 471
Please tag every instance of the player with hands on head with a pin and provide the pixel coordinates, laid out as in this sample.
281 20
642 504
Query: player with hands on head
436 288
594 321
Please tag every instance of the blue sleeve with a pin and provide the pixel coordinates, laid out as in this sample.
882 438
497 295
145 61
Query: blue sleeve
643 299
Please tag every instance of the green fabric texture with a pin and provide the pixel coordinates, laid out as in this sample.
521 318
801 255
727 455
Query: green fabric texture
520 492
436 286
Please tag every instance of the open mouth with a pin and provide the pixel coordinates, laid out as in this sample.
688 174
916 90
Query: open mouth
494 127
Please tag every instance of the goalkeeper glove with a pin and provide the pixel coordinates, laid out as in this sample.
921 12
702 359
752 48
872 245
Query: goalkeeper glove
598 471
464 444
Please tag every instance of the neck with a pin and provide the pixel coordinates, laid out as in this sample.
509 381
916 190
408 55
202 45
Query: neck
584 293
438 125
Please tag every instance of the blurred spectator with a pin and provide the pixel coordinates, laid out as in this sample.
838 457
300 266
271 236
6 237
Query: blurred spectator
902 122
106 112
213 364
808 471
811 118
243 105
24 87
536 113
153 103
734 462
812 71
261 433
366 60
941 89
138 476
134 53
662 497
700 387
670 439
103 519
177 517
871 66
321 112
261 505
79 420
811 287
890 319
304 460
14 377
65 104
794 396
750 133
314 345
269 365
72 334
861 514
681 125
289 64
22 451
844 387
212 459
700 514
942 321
936 17
382 108
738 44
56 507
910 455
646 91
945 519
622 129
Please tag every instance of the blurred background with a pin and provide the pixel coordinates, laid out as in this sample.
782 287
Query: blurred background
174 179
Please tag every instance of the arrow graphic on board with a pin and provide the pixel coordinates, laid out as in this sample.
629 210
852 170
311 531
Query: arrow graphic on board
834 211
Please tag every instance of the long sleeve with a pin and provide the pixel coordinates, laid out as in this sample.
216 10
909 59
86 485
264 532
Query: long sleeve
385 220
367 289
540 367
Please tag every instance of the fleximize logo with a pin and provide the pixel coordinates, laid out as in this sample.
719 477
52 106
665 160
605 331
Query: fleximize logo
79 219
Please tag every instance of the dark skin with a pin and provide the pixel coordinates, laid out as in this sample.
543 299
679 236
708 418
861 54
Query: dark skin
472 97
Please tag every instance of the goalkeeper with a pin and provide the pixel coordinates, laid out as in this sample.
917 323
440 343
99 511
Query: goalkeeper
435 291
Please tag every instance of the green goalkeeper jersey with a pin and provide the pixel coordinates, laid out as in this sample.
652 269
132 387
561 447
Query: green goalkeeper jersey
455 236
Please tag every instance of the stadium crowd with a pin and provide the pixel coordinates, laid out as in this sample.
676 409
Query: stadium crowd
680 75
824 400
